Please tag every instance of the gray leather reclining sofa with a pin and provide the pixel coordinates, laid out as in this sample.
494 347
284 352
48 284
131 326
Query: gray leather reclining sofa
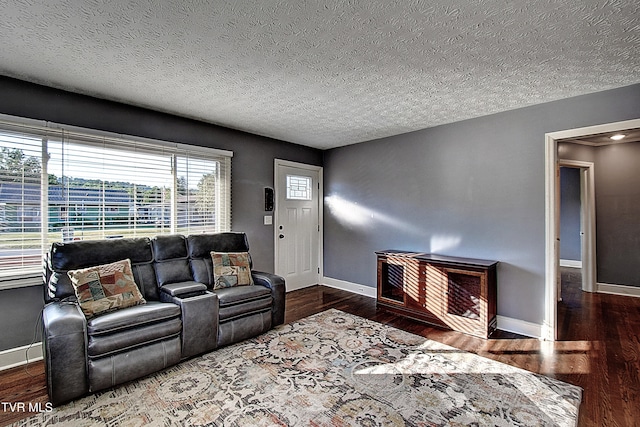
182 317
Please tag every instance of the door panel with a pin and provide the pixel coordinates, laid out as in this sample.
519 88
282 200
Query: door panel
305 229
288 244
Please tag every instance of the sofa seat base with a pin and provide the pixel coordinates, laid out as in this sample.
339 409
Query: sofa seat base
119 368
245 327
101 345
245 311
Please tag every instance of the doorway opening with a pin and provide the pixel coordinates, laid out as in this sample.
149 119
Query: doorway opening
552 243
587 223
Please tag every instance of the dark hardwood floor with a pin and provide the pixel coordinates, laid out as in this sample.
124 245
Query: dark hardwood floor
598 349
21 385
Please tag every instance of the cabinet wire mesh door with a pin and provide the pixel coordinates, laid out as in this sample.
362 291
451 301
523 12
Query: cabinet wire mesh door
465 302
392 280
464 295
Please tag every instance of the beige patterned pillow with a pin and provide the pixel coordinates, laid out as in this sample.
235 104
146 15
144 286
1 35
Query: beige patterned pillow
104 288
231 269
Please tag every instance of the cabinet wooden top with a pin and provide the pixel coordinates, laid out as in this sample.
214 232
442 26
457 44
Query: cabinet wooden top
436 258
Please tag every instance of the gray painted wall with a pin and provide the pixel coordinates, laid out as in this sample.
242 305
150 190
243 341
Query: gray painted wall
474 188
20 316
252 166
617 189
570 241
618 214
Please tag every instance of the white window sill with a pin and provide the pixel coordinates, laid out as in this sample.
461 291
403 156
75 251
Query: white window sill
22 282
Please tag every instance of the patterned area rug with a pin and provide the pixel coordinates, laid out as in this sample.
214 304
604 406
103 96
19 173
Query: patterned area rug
330 369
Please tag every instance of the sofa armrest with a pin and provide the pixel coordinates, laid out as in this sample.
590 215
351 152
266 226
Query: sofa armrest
65 351
278 289
199 314
183 289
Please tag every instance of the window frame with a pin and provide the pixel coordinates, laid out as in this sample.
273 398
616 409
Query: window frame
293 191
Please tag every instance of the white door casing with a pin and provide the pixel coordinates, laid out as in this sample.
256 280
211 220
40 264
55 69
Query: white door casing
297 224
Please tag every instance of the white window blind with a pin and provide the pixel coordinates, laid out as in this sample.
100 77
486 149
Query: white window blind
93 185
200 203
20 202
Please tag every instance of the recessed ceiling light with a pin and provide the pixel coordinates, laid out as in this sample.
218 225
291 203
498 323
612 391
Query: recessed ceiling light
617 137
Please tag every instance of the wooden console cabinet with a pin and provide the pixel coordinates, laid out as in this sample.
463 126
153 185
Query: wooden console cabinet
451 292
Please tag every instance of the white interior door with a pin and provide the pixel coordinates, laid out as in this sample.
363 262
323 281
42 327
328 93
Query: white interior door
297 224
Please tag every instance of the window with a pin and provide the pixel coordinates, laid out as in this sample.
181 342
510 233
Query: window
298 187
62 184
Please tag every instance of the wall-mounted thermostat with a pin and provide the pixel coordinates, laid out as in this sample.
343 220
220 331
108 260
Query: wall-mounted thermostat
268 199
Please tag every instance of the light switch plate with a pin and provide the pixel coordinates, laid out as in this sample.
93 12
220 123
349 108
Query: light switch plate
268 220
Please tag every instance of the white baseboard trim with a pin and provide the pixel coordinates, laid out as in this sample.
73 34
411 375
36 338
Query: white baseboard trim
18 356
504 323
518 326
295 288
625 290
570 263
356 288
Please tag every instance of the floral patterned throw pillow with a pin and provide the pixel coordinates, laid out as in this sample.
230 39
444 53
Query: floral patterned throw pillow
105 288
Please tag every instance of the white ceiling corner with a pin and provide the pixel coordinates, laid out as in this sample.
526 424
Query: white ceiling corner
324 73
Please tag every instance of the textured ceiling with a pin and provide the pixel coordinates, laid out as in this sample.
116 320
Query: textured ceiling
324 73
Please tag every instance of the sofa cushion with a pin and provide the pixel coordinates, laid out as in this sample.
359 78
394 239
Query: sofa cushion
241 294
231 269
172 262
173 271
201 244
132 317
87 253
65 256
106 287
202 270
145 277
169 247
